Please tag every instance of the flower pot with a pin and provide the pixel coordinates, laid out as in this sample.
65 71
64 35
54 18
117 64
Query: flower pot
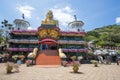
28 62
75 69
96 65
9 69
27 65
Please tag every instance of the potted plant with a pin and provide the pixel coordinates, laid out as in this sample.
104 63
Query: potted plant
80 58
28 62
9 67
73 58
64 63
95 62
21 57
15 57
16 67
75 66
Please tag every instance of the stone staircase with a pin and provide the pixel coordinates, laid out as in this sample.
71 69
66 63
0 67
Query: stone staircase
48 57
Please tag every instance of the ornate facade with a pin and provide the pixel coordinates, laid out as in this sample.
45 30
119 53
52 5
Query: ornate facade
23 41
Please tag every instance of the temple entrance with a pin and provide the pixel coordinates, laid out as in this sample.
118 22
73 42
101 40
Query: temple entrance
48 47
48 44
48 53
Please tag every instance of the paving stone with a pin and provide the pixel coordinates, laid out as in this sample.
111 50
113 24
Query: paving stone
86 72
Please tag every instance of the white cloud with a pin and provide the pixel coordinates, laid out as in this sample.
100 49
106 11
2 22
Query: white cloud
30 28
26 10
63 15
38 18
118 20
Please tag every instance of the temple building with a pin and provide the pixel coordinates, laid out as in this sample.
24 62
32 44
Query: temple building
48 39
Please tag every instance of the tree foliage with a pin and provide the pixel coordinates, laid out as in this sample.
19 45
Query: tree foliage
93 33
106 35
90 38
4 31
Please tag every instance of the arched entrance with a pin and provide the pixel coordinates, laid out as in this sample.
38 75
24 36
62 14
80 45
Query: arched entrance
48 53
48 44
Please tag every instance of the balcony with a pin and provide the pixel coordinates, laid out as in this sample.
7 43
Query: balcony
74 50
20 49
62 41
71 42
24 32
23 41
63 33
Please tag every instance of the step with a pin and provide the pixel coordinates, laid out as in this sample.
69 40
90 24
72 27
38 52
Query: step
48 57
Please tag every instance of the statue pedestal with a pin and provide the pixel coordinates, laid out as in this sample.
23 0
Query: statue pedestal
48 26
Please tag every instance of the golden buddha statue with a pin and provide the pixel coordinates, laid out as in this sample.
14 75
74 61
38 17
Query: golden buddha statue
49 19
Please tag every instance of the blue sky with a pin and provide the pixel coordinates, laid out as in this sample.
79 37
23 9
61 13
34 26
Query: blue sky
94 13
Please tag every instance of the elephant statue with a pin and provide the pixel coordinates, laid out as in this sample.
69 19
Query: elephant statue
33 54
61 54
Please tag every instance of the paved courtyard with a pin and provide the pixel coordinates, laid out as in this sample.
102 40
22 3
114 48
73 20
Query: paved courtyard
86 72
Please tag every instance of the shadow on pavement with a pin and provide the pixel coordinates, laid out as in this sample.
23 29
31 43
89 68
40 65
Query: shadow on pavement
77 72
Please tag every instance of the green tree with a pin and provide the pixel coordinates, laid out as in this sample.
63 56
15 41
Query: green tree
6 24
90 38
93 33
5 28
1 36
106 35
115 38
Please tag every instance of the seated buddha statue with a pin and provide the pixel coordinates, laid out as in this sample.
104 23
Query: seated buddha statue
49 19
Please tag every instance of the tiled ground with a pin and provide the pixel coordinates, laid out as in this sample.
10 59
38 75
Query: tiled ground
86 72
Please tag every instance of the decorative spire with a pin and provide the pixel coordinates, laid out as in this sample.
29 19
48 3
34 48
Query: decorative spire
76 25
75 17
23 16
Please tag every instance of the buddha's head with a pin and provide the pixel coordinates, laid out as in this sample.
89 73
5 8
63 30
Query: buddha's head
49 14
